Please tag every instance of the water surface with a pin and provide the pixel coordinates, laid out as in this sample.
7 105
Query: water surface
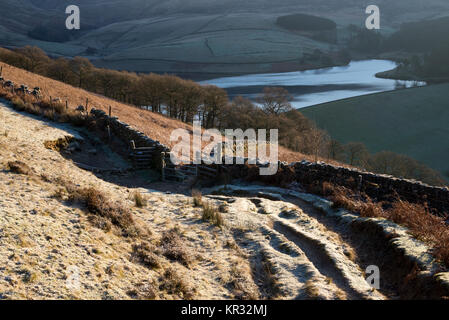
317 86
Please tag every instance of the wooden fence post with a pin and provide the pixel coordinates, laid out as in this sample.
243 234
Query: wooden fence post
66 105
1 71
110 111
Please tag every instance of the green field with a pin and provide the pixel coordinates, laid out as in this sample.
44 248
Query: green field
414 122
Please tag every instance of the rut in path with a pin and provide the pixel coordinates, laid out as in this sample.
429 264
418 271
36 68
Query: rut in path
301 249
320 259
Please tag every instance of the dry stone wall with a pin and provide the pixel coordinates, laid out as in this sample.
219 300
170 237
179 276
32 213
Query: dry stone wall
377 186
126 133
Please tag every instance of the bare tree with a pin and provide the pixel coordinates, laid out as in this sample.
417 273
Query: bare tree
35 58
214 100
356 153
80 67
316 141
275 100
335 150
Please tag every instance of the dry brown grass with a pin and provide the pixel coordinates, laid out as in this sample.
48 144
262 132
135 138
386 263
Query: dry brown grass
211 213
19 167
59 144
98 204
174 284
197 198
271 281
420 221
174 248
44 108
241 282
147 254
139 200
104 213
311 289
154 125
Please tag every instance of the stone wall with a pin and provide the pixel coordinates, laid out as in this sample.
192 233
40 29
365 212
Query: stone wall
126 133
377 186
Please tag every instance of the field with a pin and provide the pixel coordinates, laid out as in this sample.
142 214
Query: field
413 122
193 37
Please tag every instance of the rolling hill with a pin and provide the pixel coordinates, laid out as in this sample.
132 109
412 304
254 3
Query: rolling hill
413 122
197 36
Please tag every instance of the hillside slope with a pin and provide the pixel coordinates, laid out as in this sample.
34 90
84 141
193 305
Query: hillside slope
43 235
272 243
154 125
176 36
413 122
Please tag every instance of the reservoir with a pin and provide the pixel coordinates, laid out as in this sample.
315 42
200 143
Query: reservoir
317 86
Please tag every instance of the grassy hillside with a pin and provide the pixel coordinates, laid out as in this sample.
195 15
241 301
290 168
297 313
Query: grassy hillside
198 36
154 125
413 122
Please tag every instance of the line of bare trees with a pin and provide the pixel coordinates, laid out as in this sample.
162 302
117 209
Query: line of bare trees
186 100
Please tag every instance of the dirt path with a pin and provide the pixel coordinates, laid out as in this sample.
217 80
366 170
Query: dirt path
317 251
309 260
273 243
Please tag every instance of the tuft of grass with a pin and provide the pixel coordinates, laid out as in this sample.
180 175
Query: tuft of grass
211 213
173 283
28 276
197 198
100 222
423 225
139 200
99 205
144 291
59 144
147 254
174 249
271 281
340 295
240 282
311 290
19 167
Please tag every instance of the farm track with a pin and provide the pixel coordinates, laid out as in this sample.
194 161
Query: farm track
305 258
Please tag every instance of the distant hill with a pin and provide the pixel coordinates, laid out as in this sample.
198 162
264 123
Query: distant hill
413 122
305 22
421 36
218 37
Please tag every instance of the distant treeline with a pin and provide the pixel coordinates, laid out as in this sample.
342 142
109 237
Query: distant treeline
186 100
426 42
